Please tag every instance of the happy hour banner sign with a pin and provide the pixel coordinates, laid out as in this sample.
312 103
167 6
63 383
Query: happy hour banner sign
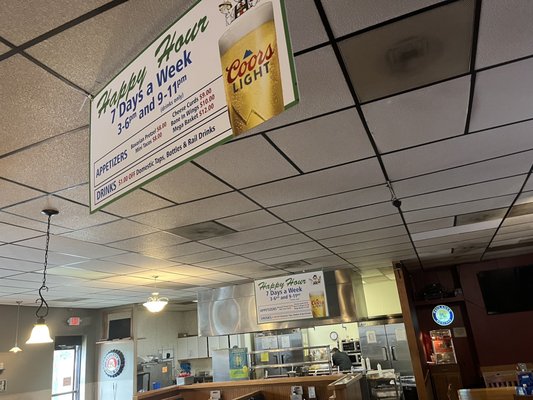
218 71
287 298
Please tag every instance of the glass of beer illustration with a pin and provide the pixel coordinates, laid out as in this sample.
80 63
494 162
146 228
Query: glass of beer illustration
250 68
318 304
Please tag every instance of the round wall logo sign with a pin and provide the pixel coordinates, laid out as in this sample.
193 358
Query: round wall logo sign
443 315
114 363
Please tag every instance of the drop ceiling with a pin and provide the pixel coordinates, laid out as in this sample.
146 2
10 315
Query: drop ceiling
428 101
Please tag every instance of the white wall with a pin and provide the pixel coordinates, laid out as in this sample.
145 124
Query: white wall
382 298
319 335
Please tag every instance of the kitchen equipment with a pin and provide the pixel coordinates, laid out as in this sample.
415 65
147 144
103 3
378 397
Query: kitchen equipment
353 349
285 342
384 342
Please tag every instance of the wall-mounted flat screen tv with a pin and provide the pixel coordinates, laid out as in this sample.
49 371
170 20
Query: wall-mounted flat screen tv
119 329
507 290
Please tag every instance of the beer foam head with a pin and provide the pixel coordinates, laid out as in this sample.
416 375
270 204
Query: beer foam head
246 23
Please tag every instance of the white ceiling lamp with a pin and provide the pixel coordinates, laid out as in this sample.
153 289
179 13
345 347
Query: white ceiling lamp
40 332
155 303
15 349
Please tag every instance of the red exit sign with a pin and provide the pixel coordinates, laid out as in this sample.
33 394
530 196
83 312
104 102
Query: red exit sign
74 321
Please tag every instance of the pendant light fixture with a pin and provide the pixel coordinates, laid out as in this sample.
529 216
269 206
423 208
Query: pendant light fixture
40 332
15 349
155 303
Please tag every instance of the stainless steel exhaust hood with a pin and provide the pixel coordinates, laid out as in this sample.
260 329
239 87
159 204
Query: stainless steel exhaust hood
232 309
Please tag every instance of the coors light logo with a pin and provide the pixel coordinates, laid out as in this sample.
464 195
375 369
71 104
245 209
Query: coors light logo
252 79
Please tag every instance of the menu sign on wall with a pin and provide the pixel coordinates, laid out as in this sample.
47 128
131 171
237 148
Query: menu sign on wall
219 71
287 298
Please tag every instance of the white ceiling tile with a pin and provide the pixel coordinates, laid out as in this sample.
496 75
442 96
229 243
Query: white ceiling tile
317 94
4 273
200 257
149 242
430 225
314 144
316 184
505 32
78 272
483 171
426 48
459 151
367 236
344 217
296 257
37 256
188 270
18 284
518 220
477 238
283 251
4 48
222 262
13 219
108 266
371 244
327 261
138 260
463 194
136 202
13 193
347 16
10 233
359 254
20 266
247 162
50 161
195 280
65 245
337 202
245 269
305 27
91 53
252 235
268 244
186 183
356 227
432 113
57 112
177 250
199 211
127 280
71 215
458 208
111 232
266 273
251 220
503 95
22 21
385 259
455 230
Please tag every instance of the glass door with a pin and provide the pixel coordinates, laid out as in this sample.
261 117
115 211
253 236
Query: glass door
66 372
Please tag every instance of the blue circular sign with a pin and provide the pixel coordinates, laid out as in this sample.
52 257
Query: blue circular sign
443 315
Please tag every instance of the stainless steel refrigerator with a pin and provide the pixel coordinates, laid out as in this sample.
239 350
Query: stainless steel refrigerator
280 348
384 342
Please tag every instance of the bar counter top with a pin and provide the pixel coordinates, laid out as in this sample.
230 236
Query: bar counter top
273 388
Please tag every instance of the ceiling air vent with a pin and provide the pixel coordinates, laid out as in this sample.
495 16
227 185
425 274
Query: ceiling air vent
202 230
70 299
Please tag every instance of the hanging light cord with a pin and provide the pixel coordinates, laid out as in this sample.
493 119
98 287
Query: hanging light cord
43 286
17 330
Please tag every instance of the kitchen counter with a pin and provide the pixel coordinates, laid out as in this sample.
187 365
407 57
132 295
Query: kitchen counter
272 389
